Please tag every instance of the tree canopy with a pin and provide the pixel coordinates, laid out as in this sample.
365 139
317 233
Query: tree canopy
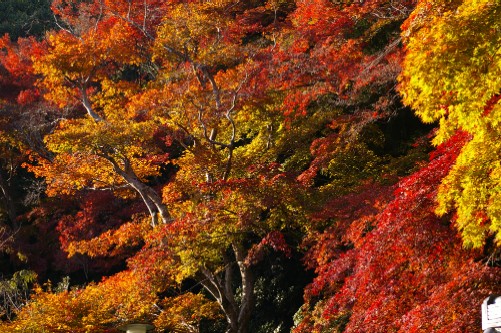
249 166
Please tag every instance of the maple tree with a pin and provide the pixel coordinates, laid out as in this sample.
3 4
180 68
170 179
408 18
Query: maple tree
190 150
376 242
337 64
24 119
104 151
339 307
80 310
450 75
226 195
389 263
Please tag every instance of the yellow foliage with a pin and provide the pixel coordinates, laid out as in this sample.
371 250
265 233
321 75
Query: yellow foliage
195 27
452 74
184 312
68 173
94 308
109 243
452 70
123 298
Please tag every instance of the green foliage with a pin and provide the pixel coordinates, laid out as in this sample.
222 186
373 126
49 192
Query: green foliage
279 292
14 293
21 18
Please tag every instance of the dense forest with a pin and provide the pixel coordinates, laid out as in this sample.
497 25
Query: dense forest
249 166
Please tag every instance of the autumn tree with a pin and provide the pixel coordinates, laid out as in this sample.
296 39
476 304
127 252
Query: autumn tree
388 263
201 72
376 259
109 149
24 119
103 306
337 65
451 76
190 80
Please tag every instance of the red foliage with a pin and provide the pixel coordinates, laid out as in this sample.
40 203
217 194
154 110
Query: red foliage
16 73
51 227
384 261
329 49
274 240
491 103
409 273
98 212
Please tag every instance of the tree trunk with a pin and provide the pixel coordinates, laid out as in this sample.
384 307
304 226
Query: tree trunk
238 315
8 201
150 197
248 297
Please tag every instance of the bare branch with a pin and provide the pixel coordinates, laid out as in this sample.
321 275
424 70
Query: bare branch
145 14
87 104
68 30
101 10
206 135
